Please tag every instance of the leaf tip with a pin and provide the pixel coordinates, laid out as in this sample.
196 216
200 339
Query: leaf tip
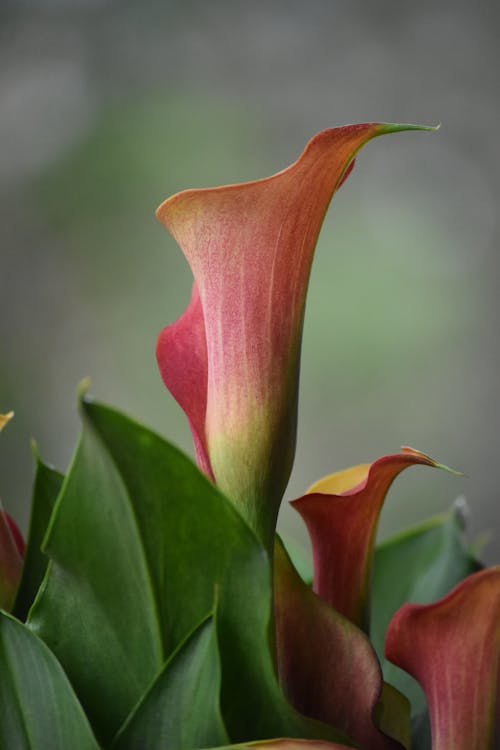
34 450
83 389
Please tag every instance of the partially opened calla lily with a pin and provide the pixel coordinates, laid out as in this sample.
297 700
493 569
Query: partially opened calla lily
11 548
452 647
232 359
328 667
341 512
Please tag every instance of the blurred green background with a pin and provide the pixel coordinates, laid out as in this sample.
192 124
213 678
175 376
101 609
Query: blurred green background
106 108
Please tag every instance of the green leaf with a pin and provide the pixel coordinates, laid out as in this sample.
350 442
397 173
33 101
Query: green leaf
181 711
48 483
38 707
96 608
419 565
138 541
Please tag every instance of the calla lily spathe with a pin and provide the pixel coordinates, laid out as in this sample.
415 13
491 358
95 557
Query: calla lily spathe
11 548
341 512
452 648
232 359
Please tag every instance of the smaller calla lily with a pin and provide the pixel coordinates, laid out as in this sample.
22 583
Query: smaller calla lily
328 668
5 419
11 548
341 512
232 359
452 647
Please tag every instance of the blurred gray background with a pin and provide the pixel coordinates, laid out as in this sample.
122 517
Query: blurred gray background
106 108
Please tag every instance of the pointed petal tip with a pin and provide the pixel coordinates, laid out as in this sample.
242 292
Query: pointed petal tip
5 419
407 450
392 127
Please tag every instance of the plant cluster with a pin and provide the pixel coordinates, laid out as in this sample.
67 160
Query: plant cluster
154 607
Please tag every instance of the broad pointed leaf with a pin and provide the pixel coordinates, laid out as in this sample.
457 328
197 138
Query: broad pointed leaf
327 666
138 541
341 512
181 710
452 647
48 483
96 609
38 708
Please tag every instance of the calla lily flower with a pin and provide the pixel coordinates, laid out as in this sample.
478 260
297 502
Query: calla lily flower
341 512
329 669
452 647
11 549
232 360
11 560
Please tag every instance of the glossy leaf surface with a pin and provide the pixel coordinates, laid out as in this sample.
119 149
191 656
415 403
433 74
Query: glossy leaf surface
38 708
181 710
138 542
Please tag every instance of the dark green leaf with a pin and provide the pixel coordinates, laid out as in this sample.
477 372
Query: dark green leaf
38 709
96 608
138 542
48 483
181 711
420 565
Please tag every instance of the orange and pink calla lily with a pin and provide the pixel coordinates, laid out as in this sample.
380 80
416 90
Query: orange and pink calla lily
328 668
452 648
232 359
11 548
341 512
11 560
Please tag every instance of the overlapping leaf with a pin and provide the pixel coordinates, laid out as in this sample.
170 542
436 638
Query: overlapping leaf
181 710
138 541
38 708
48 483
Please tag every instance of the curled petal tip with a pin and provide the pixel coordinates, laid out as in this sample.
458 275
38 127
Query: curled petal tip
250 247
341 513
407 450
389 127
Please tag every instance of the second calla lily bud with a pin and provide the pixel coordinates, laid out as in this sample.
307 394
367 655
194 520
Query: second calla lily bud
232 359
